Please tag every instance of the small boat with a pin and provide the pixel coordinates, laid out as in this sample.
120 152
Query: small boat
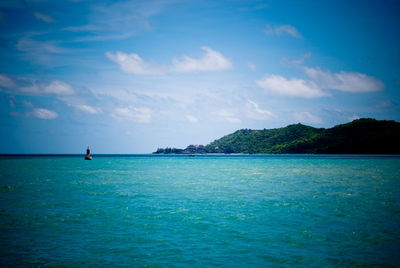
88 156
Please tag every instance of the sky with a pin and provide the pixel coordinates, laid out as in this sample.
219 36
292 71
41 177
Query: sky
133 76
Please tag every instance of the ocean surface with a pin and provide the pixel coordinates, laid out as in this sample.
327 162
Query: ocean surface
203 211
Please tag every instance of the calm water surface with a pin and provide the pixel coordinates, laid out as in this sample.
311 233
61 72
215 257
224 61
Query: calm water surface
176 211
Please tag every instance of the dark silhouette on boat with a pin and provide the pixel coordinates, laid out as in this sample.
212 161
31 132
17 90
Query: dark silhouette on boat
88 156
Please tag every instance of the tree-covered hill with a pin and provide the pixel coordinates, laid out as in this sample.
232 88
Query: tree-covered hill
261 141
362 136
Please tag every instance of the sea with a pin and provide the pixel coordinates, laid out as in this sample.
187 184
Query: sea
200 211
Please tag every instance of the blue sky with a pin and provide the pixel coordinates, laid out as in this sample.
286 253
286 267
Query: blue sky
132 76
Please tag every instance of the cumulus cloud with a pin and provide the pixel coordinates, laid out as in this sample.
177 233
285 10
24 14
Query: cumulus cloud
139 115
43 17
279 85
255 112
133 63
44 113
32 87
55 87
282 30
344 81
307 118
319 83
211 60
59 88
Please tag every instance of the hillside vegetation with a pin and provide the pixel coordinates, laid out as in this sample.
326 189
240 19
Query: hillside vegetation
362 136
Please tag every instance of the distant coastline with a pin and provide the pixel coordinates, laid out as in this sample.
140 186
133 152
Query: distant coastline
361 136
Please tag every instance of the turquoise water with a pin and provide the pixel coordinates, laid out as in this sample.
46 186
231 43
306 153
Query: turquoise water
206 211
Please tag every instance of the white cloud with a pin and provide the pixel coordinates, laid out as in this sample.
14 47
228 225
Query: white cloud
13 103
211 60
44 52
319 82
43 17
255 112
32 87
279 85
298 61
133 63
139 115
78 104
191 119
27 104
307 118
165 101
55 87
119 19
282 30
122 95
229 116
344 81
29 45
58 87
83 28
6 82
44 113
88 109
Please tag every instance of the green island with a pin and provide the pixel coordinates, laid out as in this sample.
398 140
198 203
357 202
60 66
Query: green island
361 136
